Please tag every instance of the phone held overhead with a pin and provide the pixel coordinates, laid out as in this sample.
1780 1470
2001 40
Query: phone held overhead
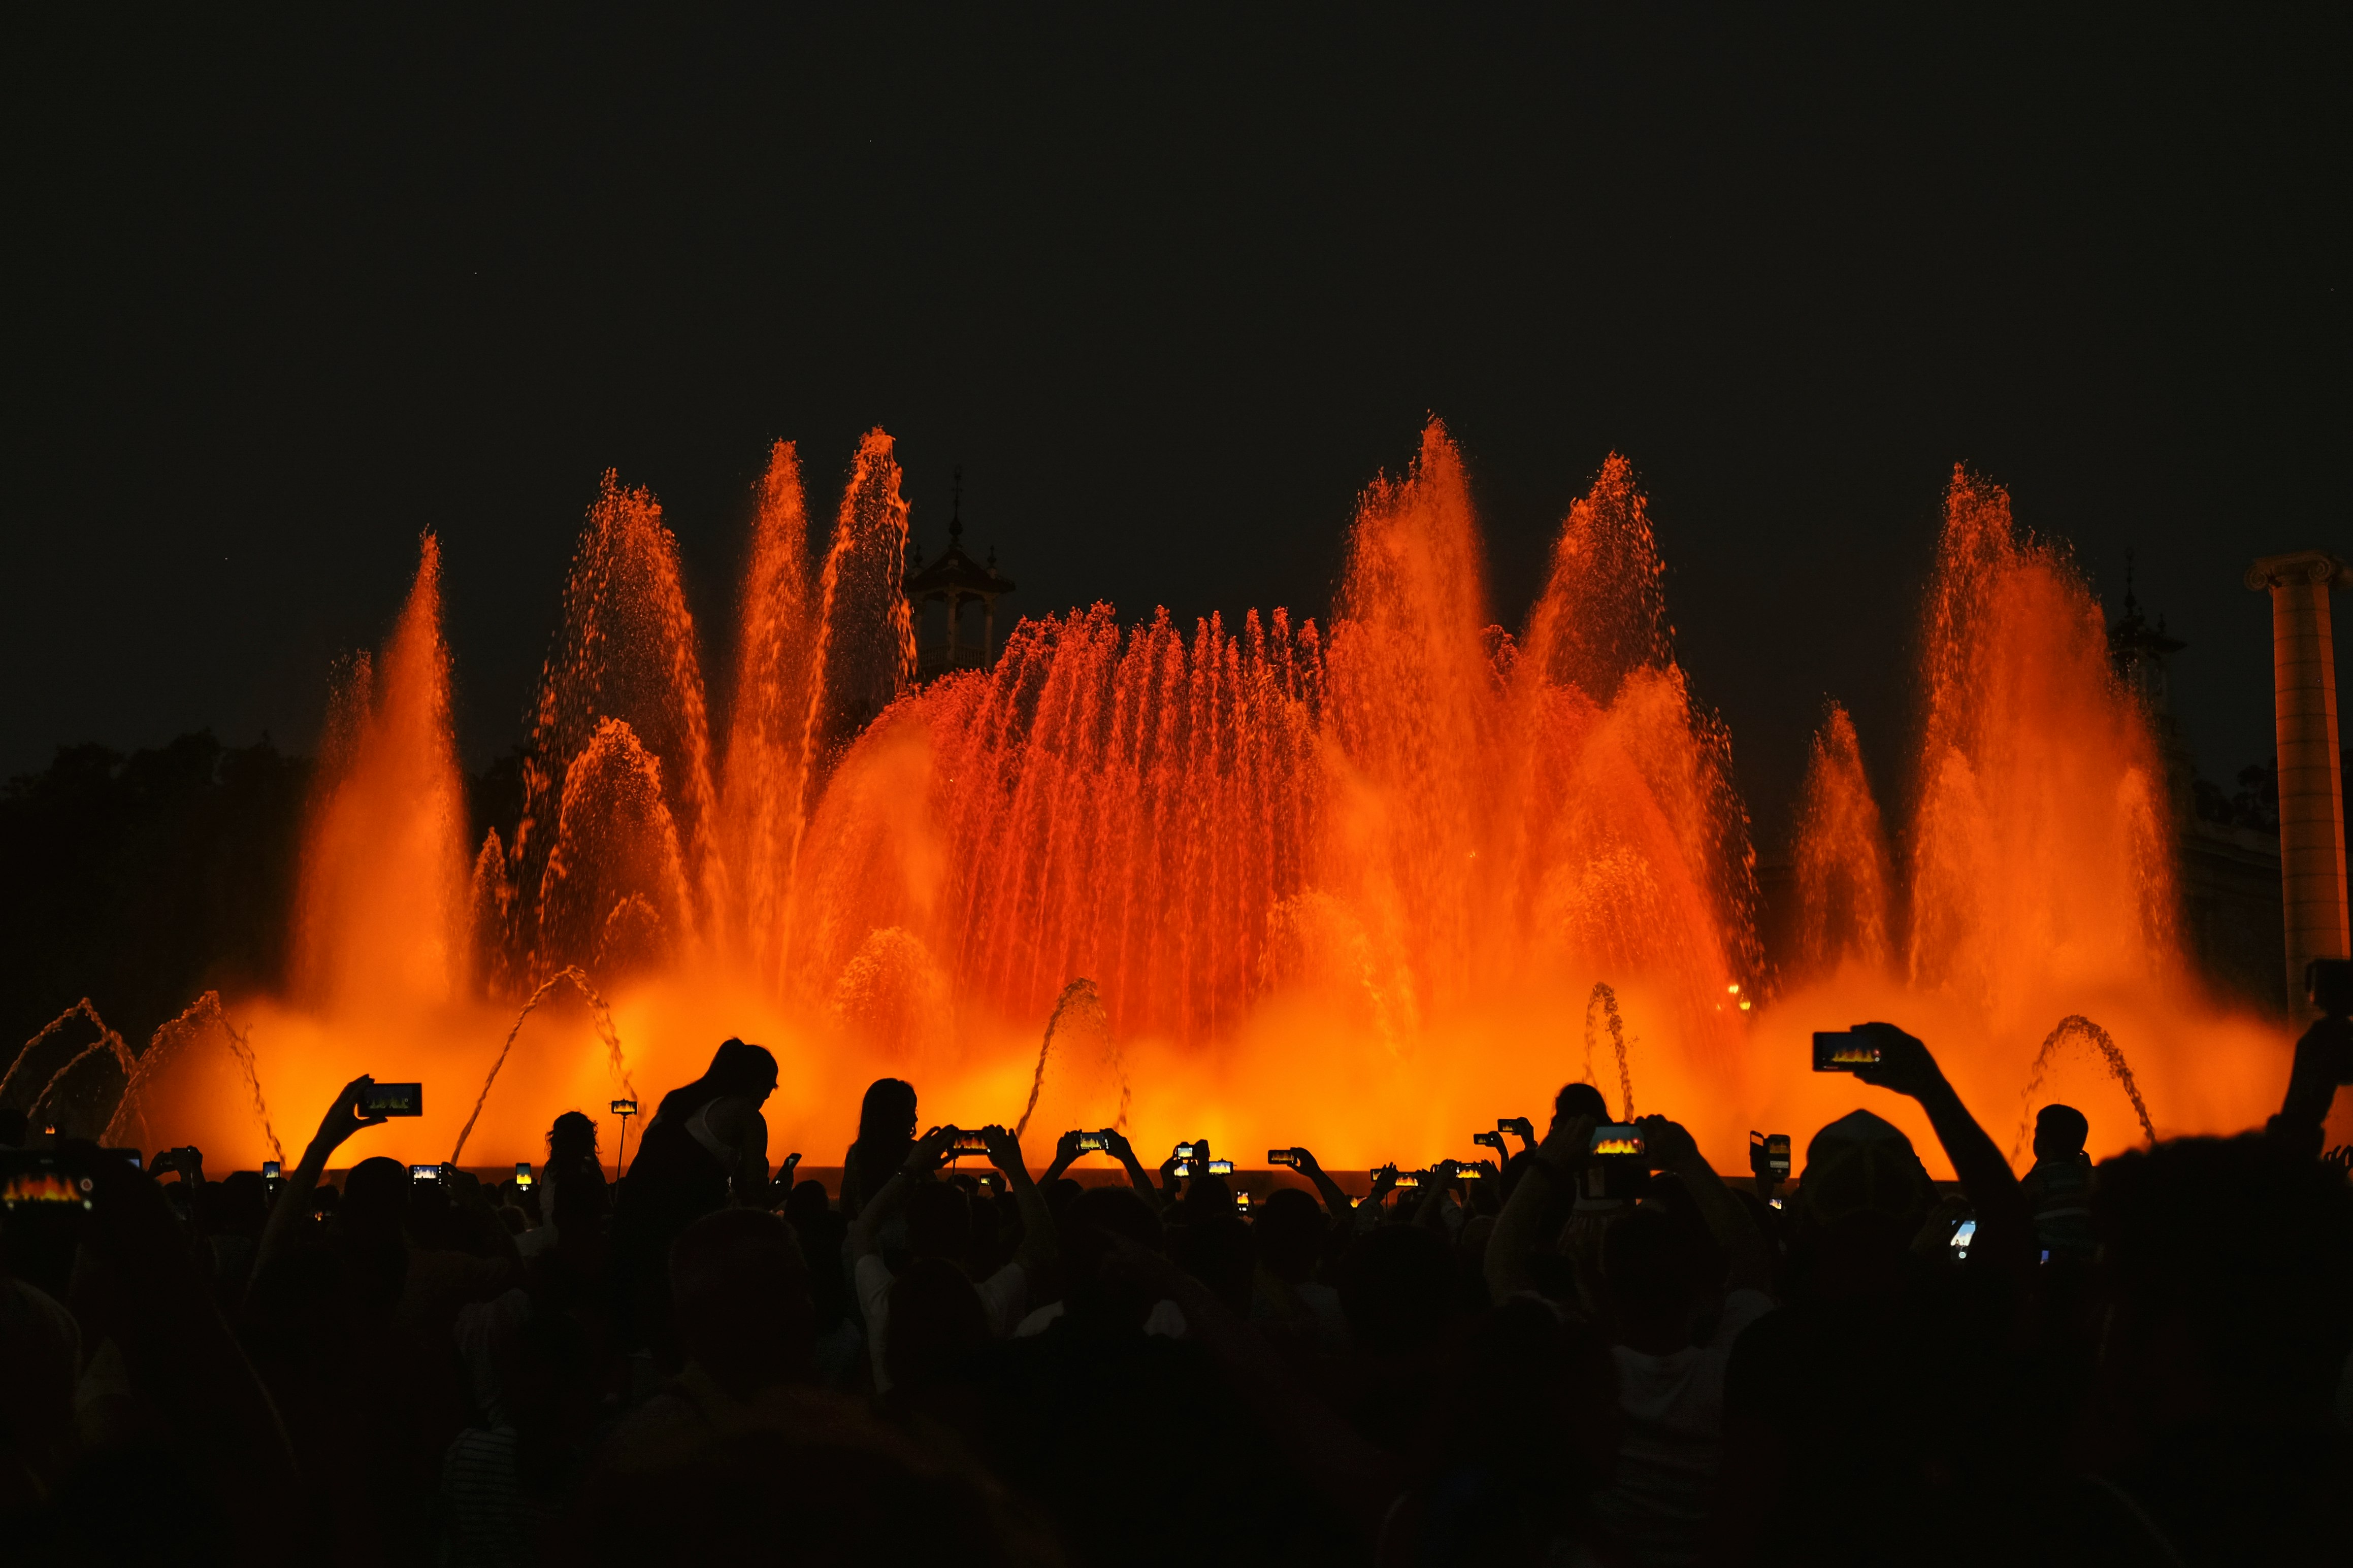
392 1099
1844 1050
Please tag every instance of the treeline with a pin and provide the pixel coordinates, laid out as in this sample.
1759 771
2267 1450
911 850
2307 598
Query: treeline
138 880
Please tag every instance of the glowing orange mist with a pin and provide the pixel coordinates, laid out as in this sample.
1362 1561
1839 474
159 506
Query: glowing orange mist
1353 886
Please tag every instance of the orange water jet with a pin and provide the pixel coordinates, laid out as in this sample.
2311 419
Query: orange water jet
1349 885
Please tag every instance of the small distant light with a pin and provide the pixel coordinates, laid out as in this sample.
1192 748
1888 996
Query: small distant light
1732 990
1744 1004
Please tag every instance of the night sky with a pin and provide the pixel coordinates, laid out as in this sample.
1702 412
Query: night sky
1171 288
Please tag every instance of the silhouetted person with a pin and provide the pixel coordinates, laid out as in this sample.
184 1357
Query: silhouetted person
706 1141
886 1131
2058 1190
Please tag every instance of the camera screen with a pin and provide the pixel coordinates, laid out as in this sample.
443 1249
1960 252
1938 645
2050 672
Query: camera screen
44 1187
1222 1167
1185 1151
1282 1157
1623 1139
1844 1050
625 1108
424 1172
393 1099
271 1170
1090 1140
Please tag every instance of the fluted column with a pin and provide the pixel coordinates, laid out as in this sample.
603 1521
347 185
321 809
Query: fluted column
2310 791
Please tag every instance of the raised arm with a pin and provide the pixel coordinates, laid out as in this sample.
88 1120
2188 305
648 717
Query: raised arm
1116 1146
1673 1149
1335 1202
1038 1251
1066 1154
2005 1228
1520 1228
926 1157
341 1120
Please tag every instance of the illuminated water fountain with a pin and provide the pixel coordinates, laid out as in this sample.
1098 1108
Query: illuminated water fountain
1354 884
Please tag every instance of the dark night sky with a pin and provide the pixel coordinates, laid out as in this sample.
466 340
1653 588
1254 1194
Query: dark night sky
1171 288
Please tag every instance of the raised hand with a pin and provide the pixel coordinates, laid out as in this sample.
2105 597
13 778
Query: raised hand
930 1151
1566 1142
1116 1146
1005 1150
1670 1145
344 1118
1066 1150
1904 1065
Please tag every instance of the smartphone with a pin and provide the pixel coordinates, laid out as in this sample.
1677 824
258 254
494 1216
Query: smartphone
1491 1140
393 1099
625 1108
1470 1172
1185 1151
424 1172
522 1174
1964 1234
1844 1050
2329 982
1518 1126
1769 1154
1181 1170
1621 1166
1222 1167
1618 1139
271 1170
1091 1142
792 1162
1241 1202
1411 1178
36 1182
1283 1157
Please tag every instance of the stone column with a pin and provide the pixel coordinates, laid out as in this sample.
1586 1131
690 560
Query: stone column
2311 792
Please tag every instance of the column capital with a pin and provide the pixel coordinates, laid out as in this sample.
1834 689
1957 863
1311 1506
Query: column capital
2301 567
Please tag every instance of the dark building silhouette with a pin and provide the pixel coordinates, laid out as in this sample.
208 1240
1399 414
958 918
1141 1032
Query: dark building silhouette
952 594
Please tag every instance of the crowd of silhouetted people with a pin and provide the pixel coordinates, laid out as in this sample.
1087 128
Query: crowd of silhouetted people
1593 1349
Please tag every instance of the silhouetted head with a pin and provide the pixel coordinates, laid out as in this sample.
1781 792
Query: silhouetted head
887 1112
1287 1232
1578 1099
808 1205
1095 1217
936 1321
2229 1264
740 1289
1216 1249
1650 1278
572 1136
1397 1289
376 1196
939 1221
739 1071
2060 1131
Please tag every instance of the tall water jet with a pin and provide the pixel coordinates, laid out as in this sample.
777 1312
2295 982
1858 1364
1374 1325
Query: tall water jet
382 910
625 650
1410 691
865 653
1844 878
2040 845
764 797
1632 845
615 890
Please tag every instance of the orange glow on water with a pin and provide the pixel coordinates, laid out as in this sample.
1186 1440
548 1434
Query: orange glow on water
1360 885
